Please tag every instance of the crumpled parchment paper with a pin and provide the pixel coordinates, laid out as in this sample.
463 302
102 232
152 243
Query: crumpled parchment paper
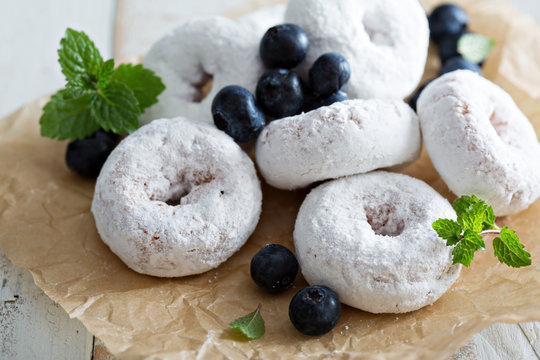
47 228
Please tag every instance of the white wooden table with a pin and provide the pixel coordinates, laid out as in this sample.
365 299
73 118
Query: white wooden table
32 326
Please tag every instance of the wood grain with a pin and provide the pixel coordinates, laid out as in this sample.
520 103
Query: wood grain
32 326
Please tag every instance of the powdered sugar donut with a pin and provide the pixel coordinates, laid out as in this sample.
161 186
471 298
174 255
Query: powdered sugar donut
346 138
369 238
385 41
167 160
211 48
480 142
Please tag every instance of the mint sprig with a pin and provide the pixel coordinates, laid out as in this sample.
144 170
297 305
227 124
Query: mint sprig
475 219
251 325
96 94
475 47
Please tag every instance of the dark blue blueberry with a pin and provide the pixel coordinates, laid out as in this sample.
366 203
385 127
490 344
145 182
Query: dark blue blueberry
414 99
315 310
279 93
284 46
329 100
446 20
448 46
86 157
328 74
459 63
274 268
235 112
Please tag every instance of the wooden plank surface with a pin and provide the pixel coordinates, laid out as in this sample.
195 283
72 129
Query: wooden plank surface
31 325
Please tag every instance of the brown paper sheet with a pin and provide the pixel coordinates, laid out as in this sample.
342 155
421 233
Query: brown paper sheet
47 228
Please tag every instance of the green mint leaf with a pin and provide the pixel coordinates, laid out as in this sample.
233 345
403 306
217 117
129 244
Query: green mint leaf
464 203
104 73
509 250
464 251
145 84
251 325
489 219
68 118
116 108
448 230
475 47
461 254
77 88
78 56
473 218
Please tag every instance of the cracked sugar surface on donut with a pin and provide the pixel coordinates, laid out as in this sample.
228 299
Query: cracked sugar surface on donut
176 198
385 41
480 142
346 138
369 238
214 51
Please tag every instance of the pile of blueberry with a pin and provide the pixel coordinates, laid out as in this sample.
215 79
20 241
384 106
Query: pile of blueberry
314 310
447 24
280 91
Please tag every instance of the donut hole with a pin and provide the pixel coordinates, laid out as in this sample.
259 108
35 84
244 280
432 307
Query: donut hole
377 30
175 200
175 195
385 220
498 124
202 87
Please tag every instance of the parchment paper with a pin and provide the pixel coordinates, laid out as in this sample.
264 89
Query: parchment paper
47 228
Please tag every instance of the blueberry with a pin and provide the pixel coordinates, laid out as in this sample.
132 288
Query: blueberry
328 74
279 93
315 310
329 100
414 99
274 268
235 112
86 157
447 19
448 46
459 63
284 46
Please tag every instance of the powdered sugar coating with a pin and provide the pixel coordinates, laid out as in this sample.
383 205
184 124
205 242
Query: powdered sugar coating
171 158
369 238
260 20
207 48
480 142
385 41
346 138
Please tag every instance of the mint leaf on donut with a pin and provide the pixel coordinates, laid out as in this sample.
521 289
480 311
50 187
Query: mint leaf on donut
473 218
96 94
464 203
449 230
475 47
509 250
251 325
476 219
116 108
464 251
145 84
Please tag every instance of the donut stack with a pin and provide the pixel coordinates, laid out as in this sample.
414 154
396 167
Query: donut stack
365 233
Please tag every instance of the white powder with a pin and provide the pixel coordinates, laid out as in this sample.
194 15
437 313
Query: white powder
385 41
480 142
369 238
346 138
176 159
